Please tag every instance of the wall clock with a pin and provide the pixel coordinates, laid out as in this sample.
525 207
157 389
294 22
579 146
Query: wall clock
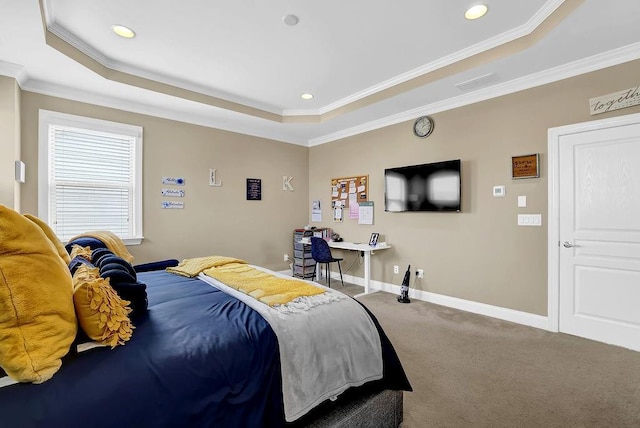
423 126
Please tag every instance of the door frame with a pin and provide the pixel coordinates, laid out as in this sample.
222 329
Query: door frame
553 227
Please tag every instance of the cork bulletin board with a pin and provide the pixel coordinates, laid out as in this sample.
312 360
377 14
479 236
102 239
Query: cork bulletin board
347 189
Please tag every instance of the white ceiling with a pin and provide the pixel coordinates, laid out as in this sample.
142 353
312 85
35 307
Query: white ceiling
368 63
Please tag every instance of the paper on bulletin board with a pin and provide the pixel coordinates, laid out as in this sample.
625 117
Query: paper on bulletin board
365 213
353 206
337 214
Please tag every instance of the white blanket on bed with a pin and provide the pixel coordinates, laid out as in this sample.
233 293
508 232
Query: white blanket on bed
323 350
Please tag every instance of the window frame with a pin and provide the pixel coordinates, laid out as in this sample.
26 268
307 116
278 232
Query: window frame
47 118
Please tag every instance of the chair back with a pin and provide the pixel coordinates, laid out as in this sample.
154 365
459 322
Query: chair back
320 250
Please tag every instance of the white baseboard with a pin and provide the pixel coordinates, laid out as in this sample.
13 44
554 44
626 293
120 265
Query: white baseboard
518 317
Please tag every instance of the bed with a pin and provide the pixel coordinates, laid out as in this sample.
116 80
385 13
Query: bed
199 356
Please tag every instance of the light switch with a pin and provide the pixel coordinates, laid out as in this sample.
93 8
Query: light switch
522 201
19 166
536 219
529 219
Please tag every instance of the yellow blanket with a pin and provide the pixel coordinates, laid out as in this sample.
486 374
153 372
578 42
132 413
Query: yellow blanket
111 240
192 267
267 288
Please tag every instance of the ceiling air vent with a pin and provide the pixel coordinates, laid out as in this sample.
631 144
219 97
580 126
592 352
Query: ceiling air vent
477 82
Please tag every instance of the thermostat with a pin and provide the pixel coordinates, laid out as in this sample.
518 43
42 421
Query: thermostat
498 191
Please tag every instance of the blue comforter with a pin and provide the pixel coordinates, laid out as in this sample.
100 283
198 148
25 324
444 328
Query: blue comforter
199 357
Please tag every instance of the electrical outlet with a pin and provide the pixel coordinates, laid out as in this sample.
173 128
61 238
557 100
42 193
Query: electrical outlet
396 269
420 273
286 257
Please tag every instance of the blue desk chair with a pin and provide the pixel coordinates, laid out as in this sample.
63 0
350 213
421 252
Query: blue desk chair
321 253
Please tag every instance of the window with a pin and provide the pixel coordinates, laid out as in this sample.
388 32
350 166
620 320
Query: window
90 176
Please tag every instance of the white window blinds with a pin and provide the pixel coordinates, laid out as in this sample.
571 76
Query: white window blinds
93 179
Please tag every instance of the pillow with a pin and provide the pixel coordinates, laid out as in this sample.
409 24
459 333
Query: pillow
77 262
52 237
102 314
100 252
117 274
126 285
37 318
159 265
136 294
92 243
104 263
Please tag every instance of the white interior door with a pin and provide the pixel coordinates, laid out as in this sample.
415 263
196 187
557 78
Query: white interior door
599 234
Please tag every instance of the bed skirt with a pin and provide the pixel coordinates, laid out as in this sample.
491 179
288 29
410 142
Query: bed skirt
382 409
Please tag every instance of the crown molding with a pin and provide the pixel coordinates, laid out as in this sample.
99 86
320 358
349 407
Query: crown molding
112 64
52 26
16 71
240 127
611 58
586 65
529 27
74 42
543 13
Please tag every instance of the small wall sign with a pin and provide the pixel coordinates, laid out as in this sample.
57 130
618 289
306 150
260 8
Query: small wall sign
525 166
615 101
254 189
176 193
178 181
172 205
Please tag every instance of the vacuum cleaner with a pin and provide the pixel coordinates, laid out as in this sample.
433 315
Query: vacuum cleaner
404 289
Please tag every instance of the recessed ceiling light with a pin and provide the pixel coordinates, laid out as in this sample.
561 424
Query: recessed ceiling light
290 20
123 31
475 12
306 96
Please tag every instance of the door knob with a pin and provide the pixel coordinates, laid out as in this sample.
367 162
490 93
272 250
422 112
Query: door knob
567 244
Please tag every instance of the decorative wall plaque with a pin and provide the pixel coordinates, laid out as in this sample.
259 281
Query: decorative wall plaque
525 166
254 189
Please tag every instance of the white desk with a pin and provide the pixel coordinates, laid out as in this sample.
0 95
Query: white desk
367 250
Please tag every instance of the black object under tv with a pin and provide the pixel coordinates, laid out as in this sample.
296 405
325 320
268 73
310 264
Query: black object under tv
433 186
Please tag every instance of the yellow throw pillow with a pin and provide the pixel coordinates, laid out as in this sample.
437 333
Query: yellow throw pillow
102 314
52 237
37 318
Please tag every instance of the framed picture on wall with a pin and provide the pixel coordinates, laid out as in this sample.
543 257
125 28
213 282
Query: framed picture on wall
525 166
373 241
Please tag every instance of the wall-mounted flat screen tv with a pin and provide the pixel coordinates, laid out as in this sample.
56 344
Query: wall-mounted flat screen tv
428 187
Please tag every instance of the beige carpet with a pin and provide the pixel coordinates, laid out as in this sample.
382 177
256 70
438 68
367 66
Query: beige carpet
468 370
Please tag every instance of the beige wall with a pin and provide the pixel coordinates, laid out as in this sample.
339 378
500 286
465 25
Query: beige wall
9 141
215 220
479 254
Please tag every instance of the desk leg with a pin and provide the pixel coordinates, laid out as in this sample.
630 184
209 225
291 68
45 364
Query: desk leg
367 271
